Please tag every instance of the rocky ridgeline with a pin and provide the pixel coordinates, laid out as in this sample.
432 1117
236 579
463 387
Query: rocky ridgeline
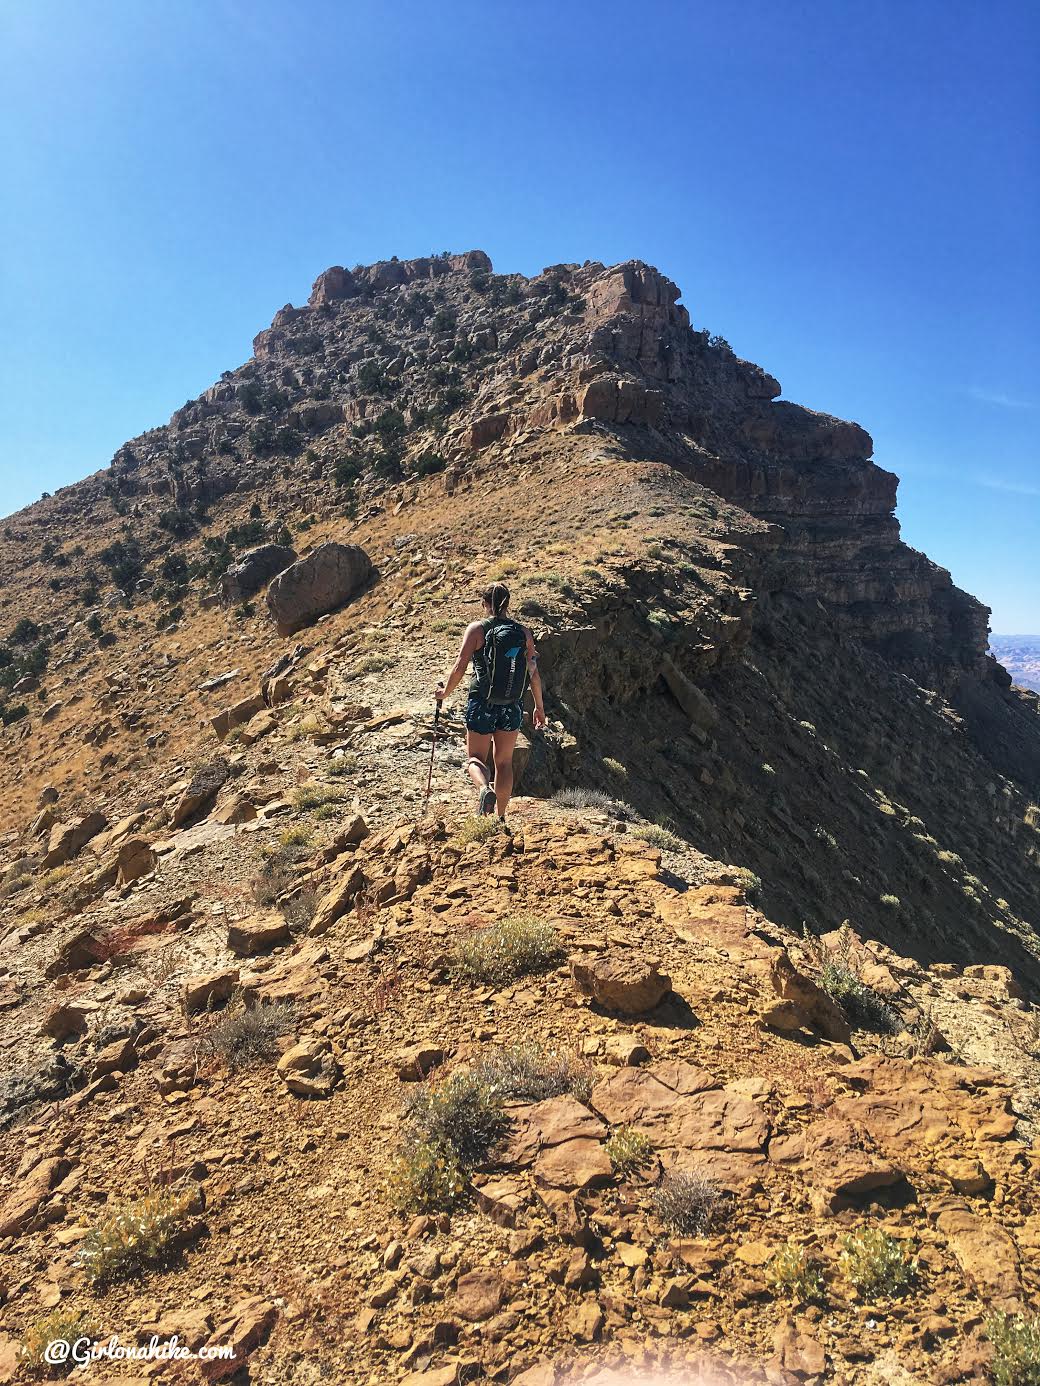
232 940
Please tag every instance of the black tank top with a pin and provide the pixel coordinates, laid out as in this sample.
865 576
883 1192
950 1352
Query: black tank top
479 682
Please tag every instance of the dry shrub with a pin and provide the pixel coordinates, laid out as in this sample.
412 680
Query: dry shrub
530 1073
687 1202
242 1036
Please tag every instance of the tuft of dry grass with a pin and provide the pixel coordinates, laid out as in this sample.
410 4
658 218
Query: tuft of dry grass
480 829
531 1073
242 1036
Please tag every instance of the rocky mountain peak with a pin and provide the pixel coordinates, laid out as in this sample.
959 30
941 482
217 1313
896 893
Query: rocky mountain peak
727 1049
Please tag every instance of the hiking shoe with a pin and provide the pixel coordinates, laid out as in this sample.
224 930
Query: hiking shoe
487 801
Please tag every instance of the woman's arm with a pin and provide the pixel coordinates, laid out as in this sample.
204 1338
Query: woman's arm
471 642
536 680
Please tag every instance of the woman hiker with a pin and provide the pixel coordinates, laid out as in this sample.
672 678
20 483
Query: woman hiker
504 660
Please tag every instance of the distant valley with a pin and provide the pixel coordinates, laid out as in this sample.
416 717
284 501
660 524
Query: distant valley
1020 656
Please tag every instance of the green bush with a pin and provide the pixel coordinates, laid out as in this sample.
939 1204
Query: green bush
124 561
462 1114
841 981
391 425
629 1150
795 1274
875 1263
1016 1349
659 837
140 1233
429 463
347 471
64 1325
180 523
425 1178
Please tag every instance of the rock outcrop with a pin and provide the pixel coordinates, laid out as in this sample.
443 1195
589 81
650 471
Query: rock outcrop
322 582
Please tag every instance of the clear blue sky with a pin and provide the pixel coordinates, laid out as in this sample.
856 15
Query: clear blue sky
848 192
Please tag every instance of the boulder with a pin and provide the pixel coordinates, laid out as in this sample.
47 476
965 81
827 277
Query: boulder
249 936
802 1004
84 949
337 900
66 839
43 822
326 579
415 1061
797 1351
967 1176
309 1068
246 1328
240 809
478 1295
209 989
986 1253
335 282
258 726
29 1193
622 981
841 1163
252 570
119 1056
201 790
483 432
572 1165
69 1018
693 702
236 714
135 858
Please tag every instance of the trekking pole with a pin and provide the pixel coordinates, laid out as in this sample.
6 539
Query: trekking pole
433 749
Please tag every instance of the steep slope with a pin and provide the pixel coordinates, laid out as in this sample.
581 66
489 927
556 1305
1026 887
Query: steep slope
745 666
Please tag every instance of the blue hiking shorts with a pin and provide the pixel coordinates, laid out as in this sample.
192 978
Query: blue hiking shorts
484 718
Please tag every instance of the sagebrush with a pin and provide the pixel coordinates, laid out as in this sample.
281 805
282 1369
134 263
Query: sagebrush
514 947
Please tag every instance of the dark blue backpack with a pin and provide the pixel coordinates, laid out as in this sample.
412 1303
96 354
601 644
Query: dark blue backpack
505 661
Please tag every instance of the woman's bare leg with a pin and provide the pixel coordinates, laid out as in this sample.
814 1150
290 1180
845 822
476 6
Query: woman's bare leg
478 748
504 744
